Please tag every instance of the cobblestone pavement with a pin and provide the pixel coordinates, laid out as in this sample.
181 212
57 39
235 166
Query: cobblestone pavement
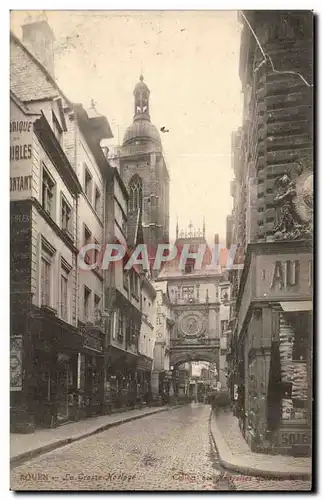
167 451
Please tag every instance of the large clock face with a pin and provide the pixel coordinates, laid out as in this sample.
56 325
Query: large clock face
191 324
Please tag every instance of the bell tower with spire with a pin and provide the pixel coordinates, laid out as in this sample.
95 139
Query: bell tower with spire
141 94
144 172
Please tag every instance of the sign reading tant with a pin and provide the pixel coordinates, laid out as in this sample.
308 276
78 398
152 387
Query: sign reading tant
22 183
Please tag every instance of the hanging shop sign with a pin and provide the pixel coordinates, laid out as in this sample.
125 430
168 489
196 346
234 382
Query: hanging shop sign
144 364
93 343
21 147
285 276
16 363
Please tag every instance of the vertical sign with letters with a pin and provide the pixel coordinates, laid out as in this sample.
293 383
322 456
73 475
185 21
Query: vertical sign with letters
20 246
21 140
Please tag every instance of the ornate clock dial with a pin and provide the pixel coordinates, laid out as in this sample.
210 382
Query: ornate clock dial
191 324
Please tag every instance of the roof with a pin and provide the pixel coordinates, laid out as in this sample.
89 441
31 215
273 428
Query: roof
24 73
33 82
22 106
94 129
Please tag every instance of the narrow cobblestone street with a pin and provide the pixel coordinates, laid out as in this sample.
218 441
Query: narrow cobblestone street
167 451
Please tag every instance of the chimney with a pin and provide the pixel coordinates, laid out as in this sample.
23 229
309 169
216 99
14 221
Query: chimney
216 239
39 38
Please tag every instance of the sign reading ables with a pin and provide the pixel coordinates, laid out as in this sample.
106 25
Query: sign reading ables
21 137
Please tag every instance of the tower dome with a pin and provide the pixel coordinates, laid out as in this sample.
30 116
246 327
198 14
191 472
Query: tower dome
141 127
141 86
141 130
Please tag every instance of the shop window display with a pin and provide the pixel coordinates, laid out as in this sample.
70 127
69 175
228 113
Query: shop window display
294 358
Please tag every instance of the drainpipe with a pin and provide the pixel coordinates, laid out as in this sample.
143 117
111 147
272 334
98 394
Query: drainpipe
78 375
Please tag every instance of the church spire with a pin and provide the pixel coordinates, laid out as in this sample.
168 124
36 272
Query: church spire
141 94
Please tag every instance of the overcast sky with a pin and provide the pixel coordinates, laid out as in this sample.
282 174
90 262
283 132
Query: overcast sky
190 62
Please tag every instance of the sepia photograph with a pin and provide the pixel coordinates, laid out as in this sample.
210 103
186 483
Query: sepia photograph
161 250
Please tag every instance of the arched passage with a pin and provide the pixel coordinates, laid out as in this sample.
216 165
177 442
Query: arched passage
180 356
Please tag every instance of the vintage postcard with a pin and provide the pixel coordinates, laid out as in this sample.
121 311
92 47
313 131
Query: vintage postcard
161 227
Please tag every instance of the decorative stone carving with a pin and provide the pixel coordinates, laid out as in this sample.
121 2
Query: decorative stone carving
295 205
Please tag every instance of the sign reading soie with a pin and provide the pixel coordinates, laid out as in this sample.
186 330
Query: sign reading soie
21 138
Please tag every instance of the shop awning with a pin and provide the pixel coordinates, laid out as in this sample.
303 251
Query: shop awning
293 306
144 363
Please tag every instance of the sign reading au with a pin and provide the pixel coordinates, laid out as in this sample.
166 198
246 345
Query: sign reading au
284 276
21 139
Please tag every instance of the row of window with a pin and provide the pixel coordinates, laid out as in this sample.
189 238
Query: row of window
88 180
145 345
88 189
48 202
131 282
159 320
124 327
47 281
91 301
49 199
92 256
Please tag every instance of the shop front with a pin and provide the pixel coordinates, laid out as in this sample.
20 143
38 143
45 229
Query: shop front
121 379
90 384
273 369
48 372
291 359
144 368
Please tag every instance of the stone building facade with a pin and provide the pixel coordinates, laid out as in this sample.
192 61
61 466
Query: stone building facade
56 332
161 378
271 311
75 346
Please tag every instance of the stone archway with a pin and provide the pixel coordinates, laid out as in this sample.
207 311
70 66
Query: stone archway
185 355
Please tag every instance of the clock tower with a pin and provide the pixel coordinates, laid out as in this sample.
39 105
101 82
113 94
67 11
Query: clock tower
144 172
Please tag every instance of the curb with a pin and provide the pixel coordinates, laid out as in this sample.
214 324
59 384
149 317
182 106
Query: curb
228 464
24 457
